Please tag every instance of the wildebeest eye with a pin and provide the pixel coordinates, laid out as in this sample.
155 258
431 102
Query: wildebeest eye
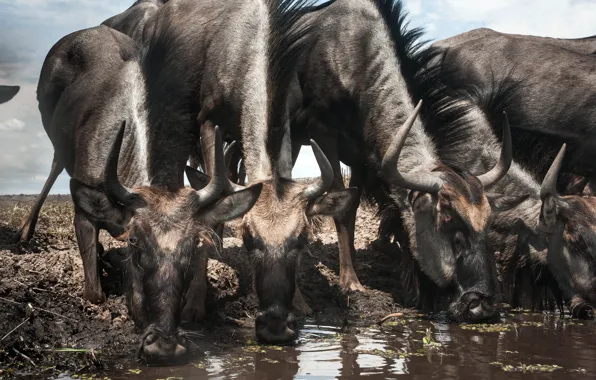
458 242
132 240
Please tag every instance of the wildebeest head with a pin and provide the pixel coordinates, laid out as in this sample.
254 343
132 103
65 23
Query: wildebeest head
570 222
166 233
450 212
8 92
276 233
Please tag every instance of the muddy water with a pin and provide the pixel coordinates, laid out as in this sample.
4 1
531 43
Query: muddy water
522 346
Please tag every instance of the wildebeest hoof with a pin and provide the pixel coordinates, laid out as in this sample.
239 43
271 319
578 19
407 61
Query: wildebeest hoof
300 305
192 314
350 283
95 297
22 236
383 245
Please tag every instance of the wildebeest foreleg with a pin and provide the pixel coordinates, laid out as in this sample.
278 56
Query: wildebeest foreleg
242 174
296 146
196 158
233 172
87 237
207 145
27 228
298 301
348 280
194 309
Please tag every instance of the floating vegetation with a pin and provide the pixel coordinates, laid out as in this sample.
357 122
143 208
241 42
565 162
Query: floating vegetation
391 354
582 371
268 360
486 327
499 327
254 349
135 371
572 323
429 341
527 368
198 365
533 324
511 352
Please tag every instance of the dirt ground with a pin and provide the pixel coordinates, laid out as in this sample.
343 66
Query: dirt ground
45 324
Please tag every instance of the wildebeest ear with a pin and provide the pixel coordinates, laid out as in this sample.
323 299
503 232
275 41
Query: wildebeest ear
7 93
96 205
197 179
232 206
500 202
333 203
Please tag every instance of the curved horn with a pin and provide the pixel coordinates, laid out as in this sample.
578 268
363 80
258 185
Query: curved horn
549 184
114 189
319 187
500 169
414 181
8 92
219 176
228 153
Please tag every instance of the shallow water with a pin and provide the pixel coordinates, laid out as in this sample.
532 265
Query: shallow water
542 345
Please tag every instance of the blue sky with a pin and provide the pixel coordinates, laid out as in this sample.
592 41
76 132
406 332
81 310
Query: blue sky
29 28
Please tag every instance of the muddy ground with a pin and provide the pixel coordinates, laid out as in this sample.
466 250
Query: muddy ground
45 324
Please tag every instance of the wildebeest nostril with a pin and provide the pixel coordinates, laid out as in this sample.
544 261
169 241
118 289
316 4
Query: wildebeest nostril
275 330
474 304
158 349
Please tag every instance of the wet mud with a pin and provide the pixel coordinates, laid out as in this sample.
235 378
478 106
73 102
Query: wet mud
49 331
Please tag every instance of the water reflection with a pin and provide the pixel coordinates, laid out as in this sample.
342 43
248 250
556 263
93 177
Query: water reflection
402 350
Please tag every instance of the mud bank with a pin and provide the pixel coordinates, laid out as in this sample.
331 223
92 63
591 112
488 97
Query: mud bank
47 328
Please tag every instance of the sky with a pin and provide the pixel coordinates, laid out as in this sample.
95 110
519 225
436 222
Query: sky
29 28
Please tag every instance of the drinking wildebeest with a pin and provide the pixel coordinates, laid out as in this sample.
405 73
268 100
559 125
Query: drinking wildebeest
554 101
132 21
233 71
543 245
8 92
361 110
91 96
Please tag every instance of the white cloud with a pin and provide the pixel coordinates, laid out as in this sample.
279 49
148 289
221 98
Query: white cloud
551 18
414 7
12 125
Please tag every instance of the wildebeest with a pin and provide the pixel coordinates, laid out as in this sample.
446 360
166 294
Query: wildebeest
554 98
132 21
8 92
230 63
545 245
585 45
362 111
91 97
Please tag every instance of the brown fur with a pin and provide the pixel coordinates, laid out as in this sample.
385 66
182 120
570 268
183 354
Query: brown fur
279 213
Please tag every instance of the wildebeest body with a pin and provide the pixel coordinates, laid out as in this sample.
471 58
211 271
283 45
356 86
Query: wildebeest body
553 101
132 21
358 87
92 99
